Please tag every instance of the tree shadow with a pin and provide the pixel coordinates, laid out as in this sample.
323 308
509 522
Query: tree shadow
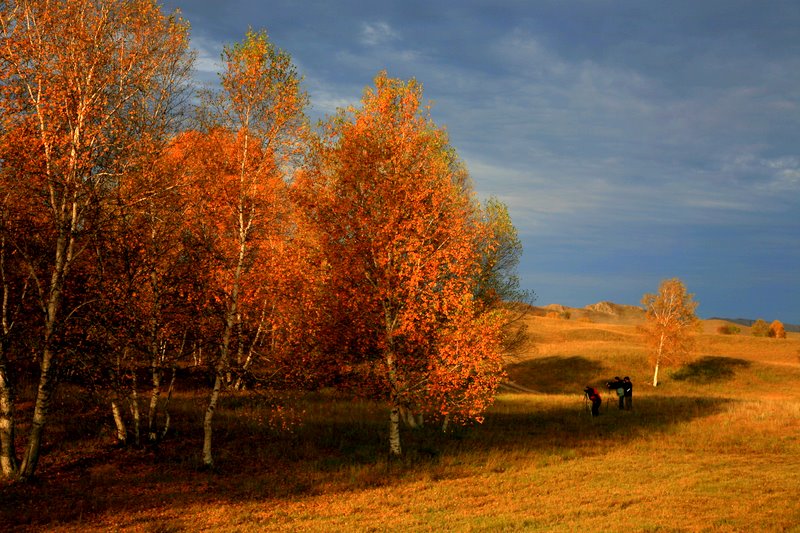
555 374
556 434
710 369
340 449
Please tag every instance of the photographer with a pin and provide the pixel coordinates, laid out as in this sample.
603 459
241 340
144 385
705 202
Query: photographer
594 397
628 386
618 385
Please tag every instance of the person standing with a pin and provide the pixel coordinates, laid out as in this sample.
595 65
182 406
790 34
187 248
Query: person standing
594 397
627 385
618 386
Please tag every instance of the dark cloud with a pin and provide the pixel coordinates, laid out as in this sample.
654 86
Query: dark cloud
631 140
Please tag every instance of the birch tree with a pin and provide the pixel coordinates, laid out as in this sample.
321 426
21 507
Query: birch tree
670 322
398 225
75 78
252 134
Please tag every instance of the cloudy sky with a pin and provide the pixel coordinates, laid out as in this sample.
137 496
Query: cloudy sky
632 140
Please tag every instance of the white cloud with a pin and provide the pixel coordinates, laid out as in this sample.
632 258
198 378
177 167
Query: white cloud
209 56
326 102
375 33
786 173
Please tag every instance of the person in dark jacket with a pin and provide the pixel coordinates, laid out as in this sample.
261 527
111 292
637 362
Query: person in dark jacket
594 397
618 386
628 390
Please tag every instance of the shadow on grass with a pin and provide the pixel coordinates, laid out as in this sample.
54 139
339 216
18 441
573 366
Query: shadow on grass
556 374
710 369
341 447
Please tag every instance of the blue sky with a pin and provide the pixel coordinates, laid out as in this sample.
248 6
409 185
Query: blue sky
632 140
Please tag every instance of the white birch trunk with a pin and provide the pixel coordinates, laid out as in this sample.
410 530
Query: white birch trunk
119 422
208 459
658 360
394 406
166 404
137 427
8 456
394 432
155 393
41 409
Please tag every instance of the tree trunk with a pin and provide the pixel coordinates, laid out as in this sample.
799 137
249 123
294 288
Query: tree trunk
658 360
119 422
208 459
219 378
411 419
394 403
137 425
166 404
394 432
67 216
155 393
8 455
42 406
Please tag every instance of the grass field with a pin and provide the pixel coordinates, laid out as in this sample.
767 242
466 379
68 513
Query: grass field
716 447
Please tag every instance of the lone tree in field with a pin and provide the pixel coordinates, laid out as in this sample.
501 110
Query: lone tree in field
670 322
776 330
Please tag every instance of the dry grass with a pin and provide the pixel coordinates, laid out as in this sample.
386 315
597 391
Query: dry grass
715 448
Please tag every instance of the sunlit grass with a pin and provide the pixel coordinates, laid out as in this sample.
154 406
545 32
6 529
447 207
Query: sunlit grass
714 448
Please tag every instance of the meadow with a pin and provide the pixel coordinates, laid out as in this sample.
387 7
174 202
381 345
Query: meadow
715 447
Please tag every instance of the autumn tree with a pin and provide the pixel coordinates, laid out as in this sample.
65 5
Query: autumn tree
670 320
497 283
760 328
76 81
776 330
498 280
144 280
397 223
14 306
251 136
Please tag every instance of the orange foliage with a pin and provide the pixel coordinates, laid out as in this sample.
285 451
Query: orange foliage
254 130
395 218
670 321
776 330
86 90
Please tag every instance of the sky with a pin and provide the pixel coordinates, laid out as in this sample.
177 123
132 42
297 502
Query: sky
632 141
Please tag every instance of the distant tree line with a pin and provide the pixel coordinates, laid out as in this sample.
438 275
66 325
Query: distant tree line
759 328
145 228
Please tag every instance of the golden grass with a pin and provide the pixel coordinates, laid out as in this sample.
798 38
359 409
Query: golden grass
715 448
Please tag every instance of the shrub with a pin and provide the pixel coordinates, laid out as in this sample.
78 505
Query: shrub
760 328
728 329
777 330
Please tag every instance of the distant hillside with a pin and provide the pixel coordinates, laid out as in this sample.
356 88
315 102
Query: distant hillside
603 312
610 312
749 322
